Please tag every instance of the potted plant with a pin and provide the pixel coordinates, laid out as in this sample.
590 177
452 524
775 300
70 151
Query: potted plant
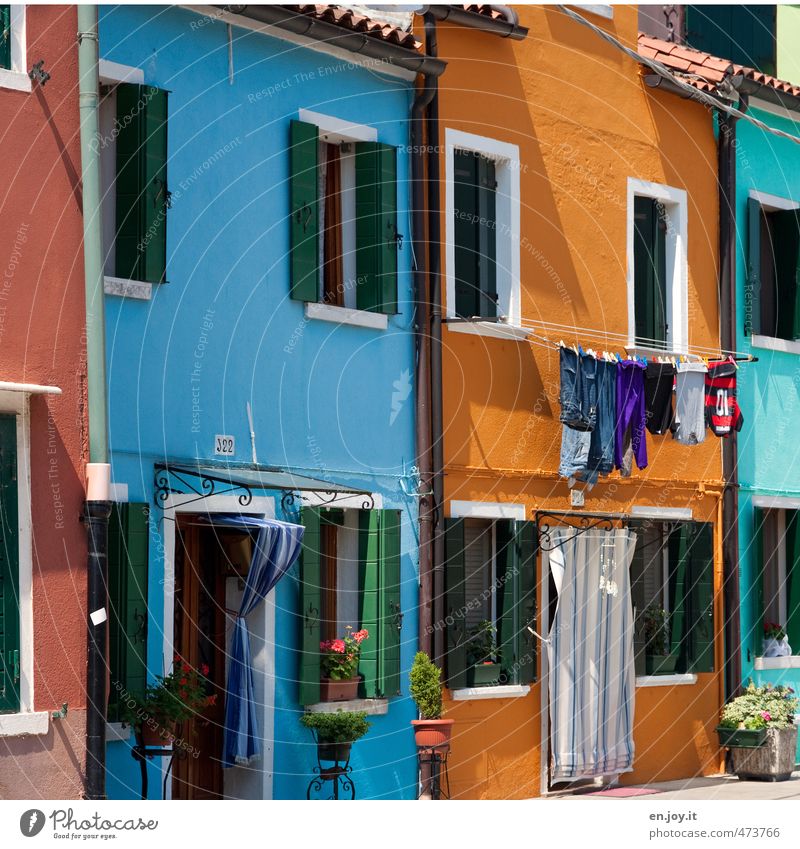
759 729
483 656
173 698
339 666
658 659
775 642
335 732
430 730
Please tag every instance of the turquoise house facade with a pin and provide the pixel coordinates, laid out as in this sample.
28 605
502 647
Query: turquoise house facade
768 327
260 358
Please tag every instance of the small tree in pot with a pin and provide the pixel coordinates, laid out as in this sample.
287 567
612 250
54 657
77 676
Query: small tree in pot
430 731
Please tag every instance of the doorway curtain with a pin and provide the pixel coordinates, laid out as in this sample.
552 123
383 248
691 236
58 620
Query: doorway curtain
590 652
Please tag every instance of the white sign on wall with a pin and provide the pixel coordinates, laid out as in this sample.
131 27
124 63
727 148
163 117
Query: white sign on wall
224 445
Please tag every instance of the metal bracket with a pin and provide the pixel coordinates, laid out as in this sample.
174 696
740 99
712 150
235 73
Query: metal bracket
208 486
579 522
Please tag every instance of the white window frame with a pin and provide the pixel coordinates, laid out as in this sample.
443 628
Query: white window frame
676 214
774 203
17 77
507 164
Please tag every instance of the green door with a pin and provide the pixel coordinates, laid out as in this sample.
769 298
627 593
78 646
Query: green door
9 567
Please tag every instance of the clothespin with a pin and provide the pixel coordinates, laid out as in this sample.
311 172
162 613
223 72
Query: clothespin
560 343
580 349
672 360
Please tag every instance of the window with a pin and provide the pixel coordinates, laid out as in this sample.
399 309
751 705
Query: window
127 601
672 589
744 35
343 228
482 229
350 575
777 555
490 576
133 163
772 302
658 301
9 569
13 60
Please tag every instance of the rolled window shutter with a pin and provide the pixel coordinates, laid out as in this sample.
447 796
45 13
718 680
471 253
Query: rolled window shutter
9 567
753 283
141 183
455 602
127 601
304 212
5 37
702 597
786 239
369 575
376 227
310 607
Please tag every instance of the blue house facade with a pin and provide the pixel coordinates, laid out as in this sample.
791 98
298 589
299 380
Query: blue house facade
260 358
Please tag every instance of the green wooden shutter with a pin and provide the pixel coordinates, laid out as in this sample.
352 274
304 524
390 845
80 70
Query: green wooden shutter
526 536
679 592
786 240
5 37
756 594
466 248
455 604
649 271
379 587
702 597
752 300
9 567
487 237
141 184
310 606
744 35
127 600
376 227
304 200
793 579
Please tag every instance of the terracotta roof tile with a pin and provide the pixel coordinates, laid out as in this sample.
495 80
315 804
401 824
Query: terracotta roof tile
342 17
484 9
703 71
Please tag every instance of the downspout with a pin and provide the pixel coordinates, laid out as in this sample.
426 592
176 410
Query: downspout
422 349
435 277
97 507
730 496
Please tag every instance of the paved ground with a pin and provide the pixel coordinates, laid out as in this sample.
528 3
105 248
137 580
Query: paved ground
717 787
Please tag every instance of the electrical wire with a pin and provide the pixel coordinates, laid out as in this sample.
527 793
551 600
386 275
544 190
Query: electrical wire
665 72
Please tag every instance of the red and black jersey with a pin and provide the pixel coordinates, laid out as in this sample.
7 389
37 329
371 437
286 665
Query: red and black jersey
722 409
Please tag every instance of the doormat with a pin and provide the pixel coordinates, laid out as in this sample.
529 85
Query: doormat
623 792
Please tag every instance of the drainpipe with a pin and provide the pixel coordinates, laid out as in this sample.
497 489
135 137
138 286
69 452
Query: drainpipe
422 346
97 507
435 277
726 149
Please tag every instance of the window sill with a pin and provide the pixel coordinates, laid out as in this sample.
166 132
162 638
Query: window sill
791 662
373 707
345 315
117 731
24 724
128 288
15 80
492 329
602 10
772 343
506 691
666 680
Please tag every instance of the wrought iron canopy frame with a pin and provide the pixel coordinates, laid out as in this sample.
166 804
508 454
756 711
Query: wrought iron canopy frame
580 522
203 483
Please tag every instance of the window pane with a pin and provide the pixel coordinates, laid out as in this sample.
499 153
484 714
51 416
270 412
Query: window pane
649 271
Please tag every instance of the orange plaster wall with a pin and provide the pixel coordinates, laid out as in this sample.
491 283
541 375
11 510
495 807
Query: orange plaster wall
584 122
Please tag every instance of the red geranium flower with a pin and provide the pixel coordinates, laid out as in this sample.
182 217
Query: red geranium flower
204 669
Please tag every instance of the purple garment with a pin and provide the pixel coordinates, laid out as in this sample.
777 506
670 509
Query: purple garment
630 413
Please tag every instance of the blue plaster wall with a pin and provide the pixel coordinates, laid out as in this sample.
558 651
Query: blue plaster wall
769 390
223 331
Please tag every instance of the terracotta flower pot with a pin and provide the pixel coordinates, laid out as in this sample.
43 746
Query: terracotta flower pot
338 691
433 733
157 735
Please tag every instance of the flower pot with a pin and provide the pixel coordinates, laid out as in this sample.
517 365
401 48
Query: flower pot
331 690
660 664
741 738
483 675
339 752
433 733
157 735
772 761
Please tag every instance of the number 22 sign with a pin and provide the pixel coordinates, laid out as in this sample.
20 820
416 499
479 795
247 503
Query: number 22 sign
224 446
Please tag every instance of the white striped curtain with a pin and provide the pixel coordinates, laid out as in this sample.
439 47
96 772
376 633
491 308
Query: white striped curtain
590 650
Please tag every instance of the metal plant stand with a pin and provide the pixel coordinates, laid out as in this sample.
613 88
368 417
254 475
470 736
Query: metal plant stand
333 765
142 753
433 769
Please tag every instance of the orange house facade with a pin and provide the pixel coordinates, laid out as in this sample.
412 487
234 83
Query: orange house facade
571 192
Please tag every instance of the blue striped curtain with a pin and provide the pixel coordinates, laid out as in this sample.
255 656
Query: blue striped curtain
590 651
276 549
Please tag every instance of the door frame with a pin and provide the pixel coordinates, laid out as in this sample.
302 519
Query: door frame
259 779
